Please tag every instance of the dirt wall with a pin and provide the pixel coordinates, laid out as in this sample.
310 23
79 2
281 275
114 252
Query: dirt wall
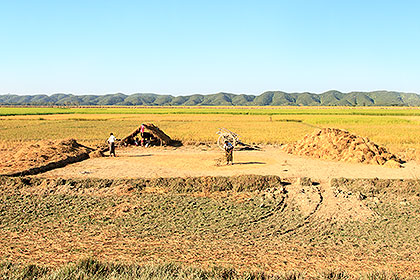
177 184
49 166
371 187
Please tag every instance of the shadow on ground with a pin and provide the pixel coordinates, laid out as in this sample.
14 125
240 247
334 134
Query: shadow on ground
147 155
249 162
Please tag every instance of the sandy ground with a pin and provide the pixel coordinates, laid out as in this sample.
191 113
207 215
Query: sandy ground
137 162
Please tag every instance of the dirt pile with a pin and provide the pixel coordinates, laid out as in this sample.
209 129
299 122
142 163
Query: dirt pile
340 145
42 153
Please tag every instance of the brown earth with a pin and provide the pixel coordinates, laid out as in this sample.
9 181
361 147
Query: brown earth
192 161
340 145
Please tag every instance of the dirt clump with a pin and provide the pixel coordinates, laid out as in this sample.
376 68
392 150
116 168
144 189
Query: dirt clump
96 154
42 153
341 145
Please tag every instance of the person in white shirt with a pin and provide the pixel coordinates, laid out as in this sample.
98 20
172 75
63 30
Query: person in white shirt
111 142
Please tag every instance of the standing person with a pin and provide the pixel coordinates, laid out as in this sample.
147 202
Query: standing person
111 142
228 147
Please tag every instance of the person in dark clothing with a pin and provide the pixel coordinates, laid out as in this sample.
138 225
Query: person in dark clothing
228 147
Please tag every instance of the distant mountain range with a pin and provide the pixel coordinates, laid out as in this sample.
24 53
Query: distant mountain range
268 98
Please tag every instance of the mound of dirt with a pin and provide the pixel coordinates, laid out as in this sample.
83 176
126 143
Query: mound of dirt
97 153
340 145
43 153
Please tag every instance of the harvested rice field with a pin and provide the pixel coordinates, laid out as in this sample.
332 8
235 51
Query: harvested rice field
316 196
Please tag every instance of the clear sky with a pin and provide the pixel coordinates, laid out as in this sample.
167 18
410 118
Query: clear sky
182 47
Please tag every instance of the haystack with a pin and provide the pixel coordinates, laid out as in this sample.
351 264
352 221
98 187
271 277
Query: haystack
341 145
33 158
163 138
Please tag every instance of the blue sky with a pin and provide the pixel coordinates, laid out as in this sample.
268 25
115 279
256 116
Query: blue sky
184 47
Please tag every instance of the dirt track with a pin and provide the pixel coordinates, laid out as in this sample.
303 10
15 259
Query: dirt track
136 162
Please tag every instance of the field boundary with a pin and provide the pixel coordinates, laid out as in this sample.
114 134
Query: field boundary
209 184
182 185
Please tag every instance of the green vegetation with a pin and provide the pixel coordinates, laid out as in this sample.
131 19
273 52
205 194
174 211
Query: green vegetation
356 111
269 98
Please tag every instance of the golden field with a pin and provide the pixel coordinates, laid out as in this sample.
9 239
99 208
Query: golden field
394 128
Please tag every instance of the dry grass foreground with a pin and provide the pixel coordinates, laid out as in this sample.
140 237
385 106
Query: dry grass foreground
88 269
246 222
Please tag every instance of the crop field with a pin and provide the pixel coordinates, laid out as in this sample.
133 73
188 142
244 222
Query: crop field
395 128
176 214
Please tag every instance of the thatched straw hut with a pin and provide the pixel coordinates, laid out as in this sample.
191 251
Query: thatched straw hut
157 133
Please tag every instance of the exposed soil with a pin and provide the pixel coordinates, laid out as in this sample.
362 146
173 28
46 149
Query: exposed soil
190 161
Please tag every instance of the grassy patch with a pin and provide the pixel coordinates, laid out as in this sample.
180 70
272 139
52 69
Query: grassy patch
238 222
93 269
254 110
